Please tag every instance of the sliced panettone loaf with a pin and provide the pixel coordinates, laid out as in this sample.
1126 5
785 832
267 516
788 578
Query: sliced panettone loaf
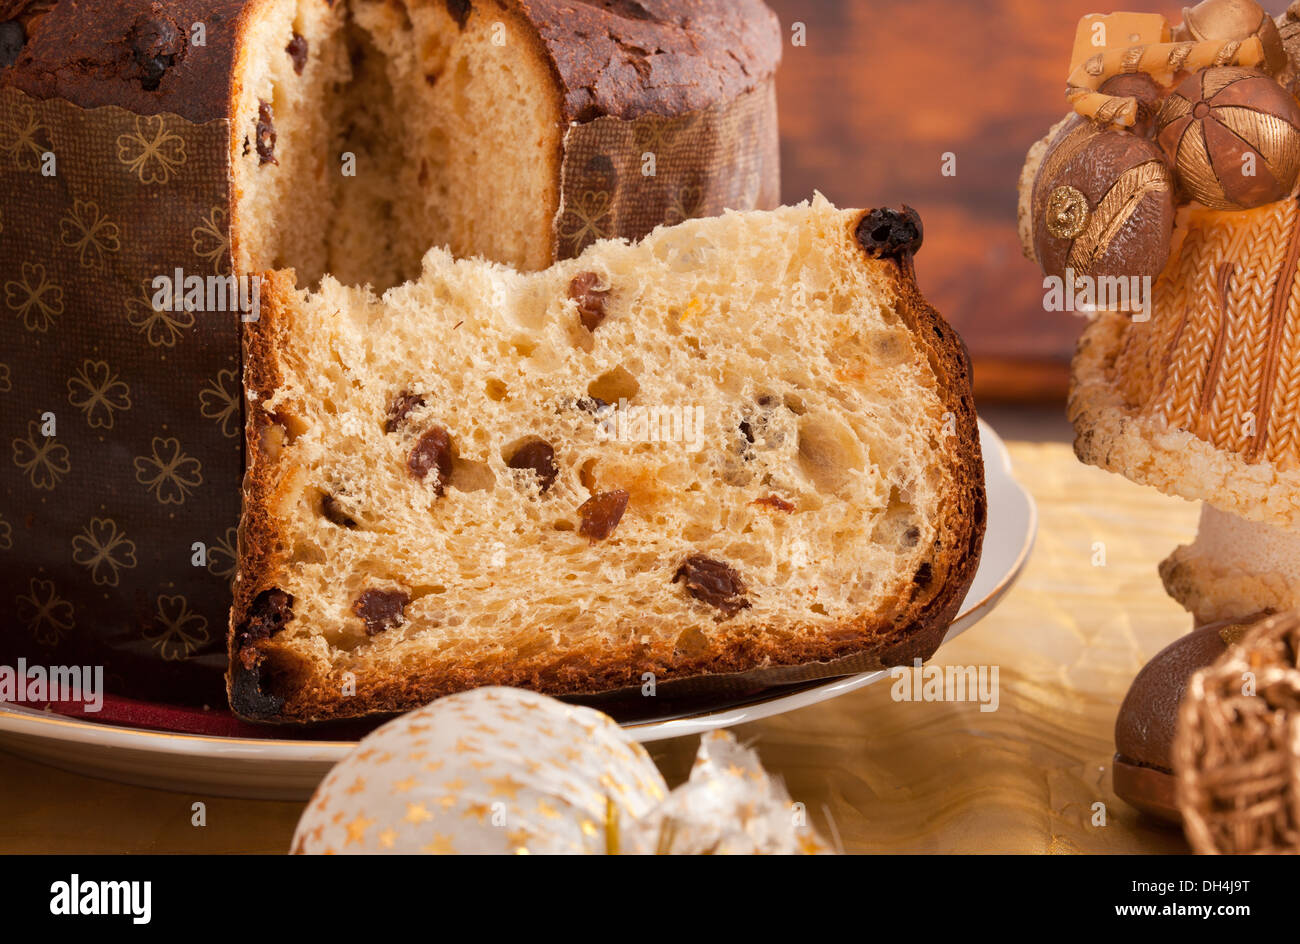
374 129
209 139
743 442
362 132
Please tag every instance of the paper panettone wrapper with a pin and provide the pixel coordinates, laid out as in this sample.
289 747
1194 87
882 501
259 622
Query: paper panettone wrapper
1202 400
122 425
624 178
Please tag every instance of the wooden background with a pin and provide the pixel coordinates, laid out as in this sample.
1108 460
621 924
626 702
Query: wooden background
883 88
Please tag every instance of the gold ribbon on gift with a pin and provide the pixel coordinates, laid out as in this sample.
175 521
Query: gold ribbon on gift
1161 61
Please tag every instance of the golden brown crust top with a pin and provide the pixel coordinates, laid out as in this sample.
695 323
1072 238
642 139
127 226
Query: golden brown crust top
135 54
611 57
628 58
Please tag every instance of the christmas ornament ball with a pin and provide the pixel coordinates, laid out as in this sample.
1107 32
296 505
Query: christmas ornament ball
1102 204
1145 91
489 771
1233 137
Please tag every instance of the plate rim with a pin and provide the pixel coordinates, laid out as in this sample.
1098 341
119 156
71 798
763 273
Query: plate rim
25 722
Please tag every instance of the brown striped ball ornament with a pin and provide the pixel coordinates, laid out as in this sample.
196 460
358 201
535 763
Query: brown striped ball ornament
1102 204
1233 136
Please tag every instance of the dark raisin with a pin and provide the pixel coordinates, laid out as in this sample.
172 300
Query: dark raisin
774 501
754 424
591 301
911 536
287 422
154 69
297 50
714 583
265 134
601 514
401 407
459 11
924 575
887 233
432 453
12 38
540 457
329 507
591 404
270 611
155 44
381 609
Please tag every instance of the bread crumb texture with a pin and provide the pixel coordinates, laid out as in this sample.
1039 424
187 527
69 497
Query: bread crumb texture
740 442
459 116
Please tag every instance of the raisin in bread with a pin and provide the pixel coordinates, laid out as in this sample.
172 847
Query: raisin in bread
456 114
743 442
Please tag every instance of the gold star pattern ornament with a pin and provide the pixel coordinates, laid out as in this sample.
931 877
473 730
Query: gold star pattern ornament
454 778
444 780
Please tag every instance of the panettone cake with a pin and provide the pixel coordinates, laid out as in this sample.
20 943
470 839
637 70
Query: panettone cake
745 442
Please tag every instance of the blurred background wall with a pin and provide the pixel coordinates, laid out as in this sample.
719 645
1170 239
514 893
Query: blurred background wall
883 89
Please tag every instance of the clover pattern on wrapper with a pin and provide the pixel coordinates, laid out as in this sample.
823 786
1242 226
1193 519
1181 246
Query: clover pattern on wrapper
277 134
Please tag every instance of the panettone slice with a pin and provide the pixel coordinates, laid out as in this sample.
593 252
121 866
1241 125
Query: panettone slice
743 443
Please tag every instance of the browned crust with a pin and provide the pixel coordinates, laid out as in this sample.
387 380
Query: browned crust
269 682
260 545
624 58
81 51
86 57
628 58
921 626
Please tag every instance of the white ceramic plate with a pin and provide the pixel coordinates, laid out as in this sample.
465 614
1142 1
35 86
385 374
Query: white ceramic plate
290 770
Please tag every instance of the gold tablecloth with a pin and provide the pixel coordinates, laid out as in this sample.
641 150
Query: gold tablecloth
880 775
